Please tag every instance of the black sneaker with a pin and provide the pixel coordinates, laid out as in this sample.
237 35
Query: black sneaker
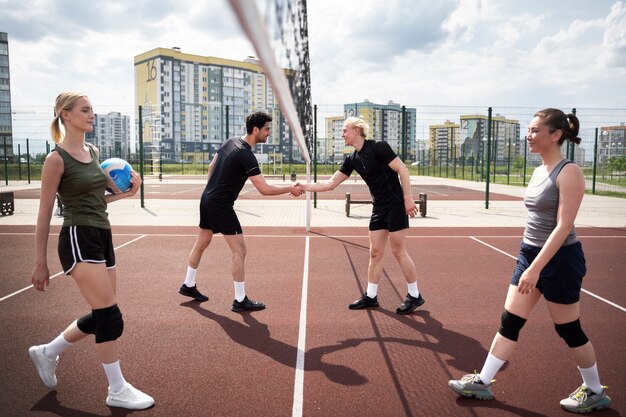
410 304
193 293
364 302
247 305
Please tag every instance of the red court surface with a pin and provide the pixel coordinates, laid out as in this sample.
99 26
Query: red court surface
201 359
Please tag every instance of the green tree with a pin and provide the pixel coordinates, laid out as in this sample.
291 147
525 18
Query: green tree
617 164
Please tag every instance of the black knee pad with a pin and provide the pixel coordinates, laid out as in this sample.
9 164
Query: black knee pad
510 325
87 323
572 333
109 323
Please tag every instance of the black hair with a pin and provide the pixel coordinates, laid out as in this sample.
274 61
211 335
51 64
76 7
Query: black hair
257 119
556 119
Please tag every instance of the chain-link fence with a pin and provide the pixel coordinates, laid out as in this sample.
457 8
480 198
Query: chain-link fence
471 146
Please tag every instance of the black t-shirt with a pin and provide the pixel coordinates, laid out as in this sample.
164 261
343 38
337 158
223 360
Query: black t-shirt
235 163
372 164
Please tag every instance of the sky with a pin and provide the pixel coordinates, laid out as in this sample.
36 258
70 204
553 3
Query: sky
416 52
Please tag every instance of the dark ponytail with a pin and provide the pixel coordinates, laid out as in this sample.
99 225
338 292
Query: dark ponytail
555 119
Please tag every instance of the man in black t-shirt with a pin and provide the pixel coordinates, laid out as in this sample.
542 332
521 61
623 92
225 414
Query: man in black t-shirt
390 186
233 164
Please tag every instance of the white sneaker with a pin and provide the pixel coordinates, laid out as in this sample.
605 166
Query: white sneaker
129 397
45 367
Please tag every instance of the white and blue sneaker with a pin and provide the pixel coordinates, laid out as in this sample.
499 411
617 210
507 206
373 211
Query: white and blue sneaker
583 400
471 386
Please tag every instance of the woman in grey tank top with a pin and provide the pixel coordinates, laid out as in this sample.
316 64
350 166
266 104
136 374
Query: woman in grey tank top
551 264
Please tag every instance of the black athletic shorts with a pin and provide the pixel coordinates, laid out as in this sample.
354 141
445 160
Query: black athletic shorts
219 218
85 244
391 218
561 279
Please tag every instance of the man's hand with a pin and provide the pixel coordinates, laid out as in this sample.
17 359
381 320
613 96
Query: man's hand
296 190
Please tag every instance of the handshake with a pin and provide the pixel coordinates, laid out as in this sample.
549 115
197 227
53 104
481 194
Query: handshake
297 190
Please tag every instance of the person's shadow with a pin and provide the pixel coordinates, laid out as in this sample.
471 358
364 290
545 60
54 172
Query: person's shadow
51 404
256 336
464 351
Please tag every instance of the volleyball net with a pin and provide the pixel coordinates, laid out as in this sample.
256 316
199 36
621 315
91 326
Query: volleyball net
288 47
286 42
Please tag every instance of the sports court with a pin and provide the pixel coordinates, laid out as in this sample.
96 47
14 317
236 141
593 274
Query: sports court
307 354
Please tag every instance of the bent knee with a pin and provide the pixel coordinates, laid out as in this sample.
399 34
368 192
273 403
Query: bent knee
109 323
510 325
572 333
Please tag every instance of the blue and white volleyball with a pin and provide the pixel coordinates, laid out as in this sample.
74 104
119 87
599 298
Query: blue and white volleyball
118 175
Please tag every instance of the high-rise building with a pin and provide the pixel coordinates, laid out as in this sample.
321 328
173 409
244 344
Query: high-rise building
335 147
444 142
505 138
191 104
111 135
386 123
6 129
612 143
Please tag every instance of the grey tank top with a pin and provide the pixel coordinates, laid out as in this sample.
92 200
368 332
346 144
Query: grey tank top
542 201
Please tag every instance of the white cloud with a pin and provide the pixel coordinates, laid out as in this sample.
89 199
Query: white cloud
614 41
454 52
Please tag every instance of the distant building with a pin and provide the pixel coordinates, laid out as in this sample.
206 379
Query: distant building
191 104
334 142
611 143
6 129
505 138
444 142
386 123
111 135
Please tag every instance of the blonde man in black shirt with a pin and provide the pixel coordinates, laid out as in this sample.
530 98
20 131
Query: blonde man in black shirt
390 186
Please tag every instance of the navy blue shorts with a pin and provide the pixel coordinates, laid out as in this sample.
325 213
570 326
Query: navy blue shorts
219 218
85 244
391 218
561 279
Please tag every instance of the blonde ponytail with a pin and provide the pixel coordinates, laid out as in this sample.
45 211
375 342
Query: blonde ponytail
64 101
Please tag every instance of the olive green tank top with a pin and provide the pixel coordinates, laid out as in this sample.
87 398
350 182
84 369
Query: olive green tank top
82 191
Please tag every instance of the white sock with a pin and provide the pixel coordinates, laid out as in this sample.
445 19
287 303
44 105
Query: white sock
54 348
591 378
114 375
413 291
190 279
490 368
240 290
372 290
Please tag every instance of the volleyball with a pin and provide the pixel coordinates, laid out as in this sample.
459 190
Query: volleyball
118 175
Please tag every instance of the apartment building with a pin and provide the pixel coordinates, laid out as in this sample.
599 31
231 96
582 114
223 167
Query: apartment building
386 123
6 129
444 142
111 135
505 138
191 104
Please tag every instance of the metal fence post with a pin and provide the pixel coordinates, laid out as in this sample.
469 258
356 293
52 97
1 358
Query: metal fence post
488 157
141 155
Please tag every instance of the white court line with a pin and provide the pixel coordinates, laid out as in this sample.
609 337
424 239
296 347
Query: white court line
186 190
298 388
582 289
60 273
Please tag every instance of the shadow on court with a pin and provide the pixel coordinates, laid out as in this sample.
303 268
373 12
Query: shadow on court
256 336
50 403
